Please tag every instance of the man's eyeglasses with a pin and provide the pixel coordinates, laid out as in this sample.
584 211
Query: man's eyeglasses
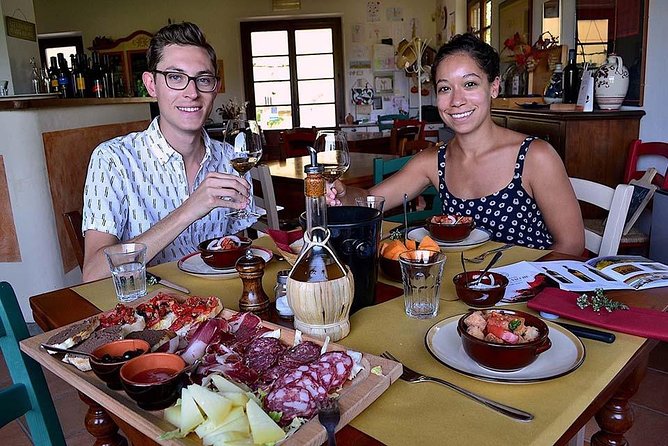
205 83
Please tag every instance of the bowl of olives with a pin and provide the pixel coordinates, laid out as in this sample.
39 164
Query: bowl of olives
108 359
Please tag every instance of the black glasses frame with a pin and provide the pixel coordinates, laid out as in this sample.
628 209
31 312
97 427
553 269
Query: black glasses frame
190 78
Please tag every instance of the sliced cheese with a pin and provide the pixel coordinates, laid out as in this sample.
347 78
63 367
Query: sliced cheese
262 427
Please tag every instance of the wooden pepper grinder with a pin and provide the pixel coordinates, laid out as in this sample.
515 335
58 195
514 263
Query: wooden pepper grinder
253 297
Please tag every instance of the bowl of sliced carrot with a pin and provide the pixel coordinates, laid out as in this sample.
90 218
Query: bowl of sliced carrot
390 249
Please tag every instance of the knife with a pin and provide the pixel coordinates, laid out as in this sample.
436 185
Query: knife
152 279
589 333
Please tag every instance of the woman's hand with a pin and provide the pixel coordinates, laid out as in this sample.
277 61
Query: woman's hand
334 192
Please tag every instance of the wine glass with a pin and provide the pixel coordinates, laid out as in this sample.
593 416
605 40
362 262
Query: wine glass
246 140
332 151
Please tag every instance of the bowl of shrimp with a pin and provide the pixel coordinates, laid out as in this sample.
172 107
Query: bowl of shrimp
223 252
503 340
450 228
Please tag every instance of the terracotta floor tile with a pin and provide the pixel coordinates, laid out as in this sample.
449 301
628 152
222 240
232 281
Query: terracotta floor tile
12 434
57 386
650 428
71 413
653 391
658 358
80 439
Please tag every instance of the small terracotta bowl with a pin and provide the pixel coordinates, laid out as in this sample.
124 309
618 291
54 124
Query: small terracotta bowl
489 293
222 258
505 357
154 380
391 268
450 232
108 371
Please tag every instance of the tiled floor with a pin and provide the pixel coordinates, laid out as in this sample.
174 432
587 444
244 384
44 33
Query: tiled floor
650 405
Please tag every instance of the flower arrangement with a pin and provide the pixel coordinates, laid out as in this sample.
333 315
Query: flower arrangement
232 110
526 56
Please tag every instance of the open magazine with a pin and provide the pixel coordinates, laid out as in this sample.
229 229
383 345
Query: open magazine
609 273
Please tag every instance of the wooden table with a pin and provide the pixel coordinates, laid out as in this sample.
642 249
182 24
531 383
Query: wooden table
369 142
611 406
288 177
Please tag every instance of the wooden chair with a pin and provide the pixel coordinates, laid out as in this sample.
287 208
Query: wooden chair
383 168
267 199
386 122
28 395
404 131
73 226
294 142
616 201
646 150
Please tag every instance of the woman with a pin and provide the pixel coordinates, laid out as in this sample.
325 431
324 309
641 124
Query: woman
513 185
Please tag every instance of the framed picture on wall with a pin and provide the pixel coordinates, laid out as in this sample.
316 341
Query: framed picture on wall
384 84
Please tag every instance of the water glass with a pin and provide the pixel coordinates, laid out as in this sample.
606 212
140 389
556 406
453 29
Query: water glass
371 201
421 272
127 262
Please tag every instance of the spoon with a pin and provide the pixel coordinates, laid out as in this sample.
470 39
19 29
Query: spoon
466 276
68 350
405 217
495 259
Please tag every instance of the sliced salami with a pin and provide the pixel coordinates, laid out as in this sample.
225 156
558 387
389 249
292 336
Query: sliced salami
342 363
302 353
312 384
291 401
262 353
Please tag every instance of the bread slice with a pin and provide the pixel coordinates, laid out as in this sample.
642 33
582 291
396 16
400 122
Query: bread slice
73 334
94 341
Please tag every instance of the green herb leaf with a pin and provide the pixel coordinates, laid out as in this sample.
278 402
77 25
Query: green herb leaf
514 324
276 416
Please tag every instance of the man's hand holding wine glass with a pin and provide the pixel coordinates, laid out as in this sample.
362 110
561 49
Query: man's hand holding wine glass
218 190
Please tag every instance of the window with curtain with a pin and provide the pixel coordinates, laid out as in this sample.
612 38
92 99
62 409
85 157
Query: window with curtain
293 72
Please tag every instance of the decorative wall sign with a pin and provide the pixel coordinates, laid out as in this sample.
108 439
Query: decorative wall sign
384 84
20 29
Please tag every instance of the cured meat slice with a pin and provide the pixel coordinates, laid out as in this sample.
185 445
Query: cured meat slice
291 401
302 353
311 383
342 363
291 376
262 353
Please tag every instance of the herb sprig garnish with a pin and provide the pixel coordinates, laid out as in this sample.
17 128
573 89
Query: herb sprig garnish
599 301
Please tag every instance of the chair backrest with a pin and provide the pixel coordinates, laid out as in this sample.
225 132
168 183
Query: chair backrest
616 201
73 226
404 131
294 142
267 199
383 168
654 152
28 394
386 122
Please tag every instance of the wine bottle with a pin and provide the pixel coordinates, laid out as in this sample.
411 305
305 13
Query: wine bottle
96 77
53 75
108 77
64 77
73 76
571 79
80 76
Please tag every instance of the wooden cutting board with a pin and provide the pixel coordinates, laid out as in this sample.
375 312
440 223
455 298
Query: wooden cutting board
355 396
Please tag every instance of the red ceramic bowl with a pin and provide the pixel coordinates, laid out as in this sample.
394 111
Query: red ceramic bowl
154 380
505 357
450 232
489 293
222 258
108 371
391 268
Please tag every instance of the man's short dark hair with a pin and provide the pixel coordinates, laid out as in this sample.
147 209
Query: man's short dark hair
484 55
185 33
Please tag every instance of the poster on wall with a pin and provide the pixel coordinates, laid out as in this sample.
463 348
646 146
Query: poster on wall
373 11
383 57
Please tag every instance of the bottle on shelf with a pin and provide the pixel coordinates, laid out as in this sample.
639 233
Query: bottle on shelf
96 77
571 79
46 81
80 74
73 77
35 80
53 75
108 77
64 77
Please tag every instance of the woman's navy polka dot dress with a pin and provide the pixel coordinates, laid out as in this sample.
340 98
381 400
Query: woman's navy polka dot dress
511 214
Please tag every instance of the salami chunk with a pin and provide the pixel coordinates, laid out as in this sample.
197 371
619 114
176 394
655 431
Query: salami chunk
342 364
292 401
302 353
262 353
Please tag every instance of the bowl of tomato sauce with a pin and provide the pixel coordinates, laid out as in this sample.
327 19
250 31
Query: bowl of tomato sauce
154 380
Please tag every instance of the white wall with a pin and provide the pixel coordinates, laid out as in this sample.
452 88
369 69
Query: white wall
18 51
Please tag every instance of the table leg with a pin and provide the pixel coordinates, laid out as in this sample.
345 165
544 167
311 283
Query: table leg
616 417
100 425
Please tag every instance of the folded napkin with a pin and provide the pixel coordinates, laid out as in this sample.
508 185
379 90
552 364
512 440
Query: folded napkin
643 322
283 239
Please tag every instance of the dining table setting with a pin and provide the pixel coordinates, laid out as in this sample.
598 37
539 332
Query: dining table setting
421 386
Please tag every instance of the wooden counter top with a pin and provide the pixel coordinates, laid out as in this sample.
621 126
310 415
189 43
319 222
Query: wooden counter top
28 102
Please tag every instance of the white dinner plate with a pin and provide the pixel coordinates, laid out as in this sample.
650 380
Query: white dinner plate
477 238
566 354
194 265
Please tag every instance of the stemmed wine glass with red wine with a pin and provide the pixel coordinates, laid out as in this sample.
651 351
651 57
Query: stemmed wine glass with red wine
246 140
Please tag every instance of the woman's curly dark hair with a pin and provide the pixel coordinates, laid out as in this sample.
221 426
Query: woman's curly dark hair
484 55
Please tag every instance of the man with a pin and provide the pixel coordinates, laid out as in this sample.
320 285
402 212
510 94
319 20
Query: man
170 186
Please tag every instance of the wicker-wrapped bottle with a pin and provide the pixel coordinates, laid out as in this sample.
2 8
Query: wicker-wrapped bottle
320 287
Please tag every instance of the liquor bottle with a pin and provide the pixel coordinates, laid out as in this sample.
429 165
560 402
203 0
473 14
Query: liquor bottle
571 79
35 79
80 76
73 77
108 77
96 77
64 77
317 261
53 75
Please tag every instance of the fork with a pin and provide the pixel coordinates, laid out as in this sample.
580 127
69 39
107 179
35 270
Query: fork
329 416
415 377
480 258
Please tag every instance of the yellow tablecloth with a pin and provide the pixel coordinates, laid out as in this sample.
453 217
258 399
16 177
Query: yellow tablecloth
428 413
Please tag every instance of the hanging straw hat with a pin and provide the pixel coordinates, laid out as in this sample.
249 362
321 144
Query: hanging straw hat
406 54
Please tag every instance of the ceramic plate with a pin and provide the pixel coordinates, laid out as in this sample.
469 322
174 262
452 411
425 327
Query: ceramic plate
565 355
194 265
476 238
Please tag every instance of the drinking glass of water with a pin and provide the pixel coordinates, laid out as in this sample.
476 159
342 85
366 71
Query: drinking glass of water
127 262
